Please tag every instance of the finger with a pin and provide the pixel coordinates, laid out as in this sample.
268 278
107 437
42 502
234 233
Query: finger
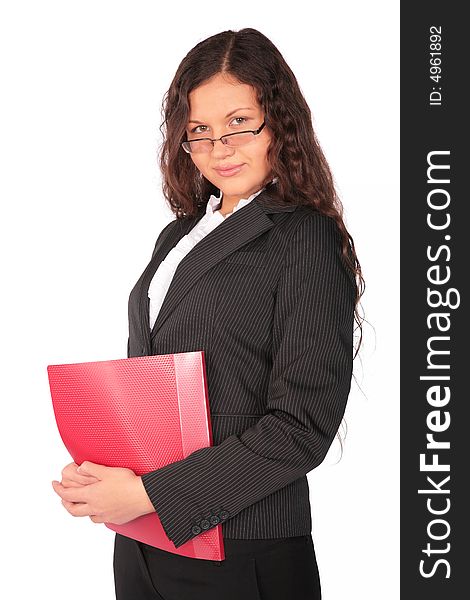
77 482
67 483
97 519
72 469
91 468
70 473
71 494
77 509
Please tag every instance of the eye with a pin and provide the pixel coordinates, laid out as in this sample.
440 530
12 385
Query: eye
194 130
244 120
197 129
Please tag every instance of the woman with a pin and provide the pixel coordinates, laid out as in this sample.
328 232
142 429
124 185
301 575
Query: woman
259 271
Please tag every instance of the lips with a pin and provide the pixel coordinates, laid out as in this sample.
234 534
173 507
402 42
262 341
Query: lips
229 170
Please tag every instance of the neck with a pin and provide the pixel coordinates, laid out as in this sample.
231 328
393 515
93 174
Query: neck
229 202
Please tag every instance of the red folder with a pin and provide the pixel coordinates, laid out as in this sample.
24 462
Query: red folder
139 413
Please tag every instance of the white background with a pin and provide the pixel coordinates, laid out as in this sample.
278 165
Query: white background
82 83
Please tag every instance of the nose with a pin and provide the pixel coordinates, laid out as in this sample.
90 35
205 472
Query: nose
221 150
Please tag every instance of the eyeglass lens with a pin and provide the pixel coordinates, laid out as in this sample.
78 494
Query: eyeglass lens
237 139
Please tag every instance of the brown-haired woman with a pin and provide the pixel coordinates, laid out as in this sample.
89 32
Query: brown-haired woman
259 272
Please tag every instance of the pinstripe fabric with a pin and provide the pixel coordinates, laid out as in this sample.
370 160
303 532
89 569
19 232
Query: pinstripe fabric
268 298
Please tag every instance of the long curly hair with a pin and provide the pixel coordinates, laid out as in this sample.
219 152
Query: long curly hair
295 156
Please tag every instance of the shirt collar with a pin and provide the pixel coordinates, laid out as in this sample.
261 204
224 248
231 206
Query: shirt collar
215 202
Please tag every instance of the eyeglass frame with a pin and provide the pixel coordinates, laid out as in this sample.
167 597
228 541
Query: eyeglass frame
222 137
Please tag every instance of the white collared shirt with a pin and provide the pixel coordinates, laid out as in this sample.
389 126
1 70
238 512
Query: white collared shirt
166 269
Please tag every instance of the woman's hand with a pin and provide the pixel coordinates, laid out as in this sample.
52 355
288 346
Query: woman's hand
72 478
105 494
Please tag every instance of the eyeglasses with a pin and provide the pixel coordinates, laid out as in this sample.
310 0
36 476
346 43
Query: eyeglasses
239 138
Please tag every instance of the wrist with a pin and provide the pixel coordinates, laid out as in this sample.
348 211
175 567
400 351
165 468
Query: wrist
146 505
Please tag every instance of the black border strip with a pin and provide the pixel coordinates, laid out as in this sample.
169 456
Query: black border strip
434 291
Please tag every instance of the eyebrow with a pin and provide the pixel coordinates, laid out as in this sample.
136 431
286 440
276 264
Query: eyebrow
226 116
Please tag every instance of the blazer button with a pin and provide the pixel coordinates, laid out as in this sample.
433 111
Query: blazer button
205 524
196 529
224 514
214 519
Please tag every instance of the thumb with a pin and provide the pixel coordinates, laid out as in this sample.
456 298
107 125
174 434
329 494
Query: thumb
89 468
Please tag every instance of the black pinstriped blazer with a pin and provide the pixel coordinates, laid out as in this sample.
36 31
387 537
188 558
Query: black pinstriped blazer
268 298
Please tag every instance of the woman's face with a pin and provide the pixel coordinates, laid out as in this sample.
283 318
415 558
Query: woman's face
223 105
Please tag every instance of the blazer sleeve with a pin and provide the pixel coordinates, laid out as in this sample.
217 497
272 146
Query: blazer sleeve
308 389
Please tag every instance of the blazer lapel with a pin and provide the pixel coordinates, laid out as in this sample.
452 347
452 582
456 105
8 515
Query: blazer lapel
238 229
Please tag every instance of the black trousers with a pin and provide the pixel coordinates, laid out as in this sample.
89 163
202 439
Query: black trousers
277 569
